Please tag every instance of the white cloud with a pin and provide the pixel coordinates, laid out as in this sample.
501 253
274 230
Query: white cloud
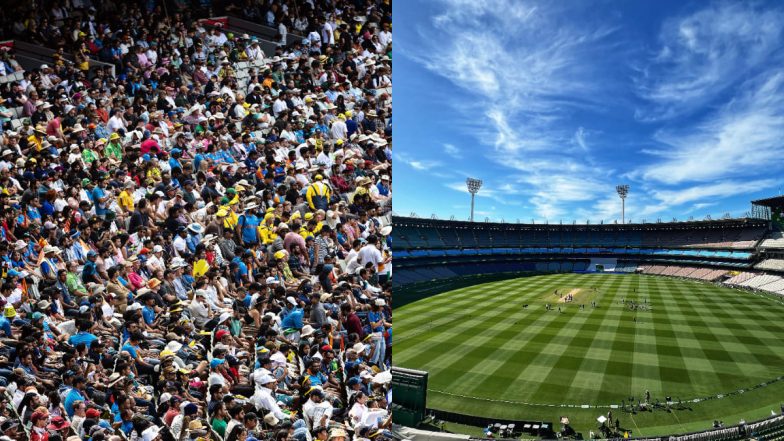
453 151
718 190
741 137
704 53
579 138
417 164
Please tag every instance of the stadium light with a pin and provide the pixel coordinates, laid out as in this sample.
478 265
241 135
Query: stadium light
473 187
622 190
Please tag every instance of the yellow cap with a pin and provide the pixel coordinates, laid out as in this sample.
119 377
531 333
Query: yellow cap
269 216
308 216
339 142
319 177
114 136
280 254
222 212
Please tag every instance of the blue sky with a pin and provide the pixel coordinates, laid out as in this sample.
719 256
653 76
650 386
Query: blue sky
552 104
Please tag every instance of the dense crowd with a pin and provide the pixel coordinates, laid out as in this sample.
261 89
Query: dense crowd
187 255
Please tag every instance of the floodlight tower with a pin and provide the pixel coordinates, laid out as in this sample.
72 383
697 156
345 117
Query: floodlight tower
622 190
473 187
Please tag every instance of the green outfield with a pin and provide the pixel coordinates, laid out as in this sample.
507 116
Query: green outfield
488 355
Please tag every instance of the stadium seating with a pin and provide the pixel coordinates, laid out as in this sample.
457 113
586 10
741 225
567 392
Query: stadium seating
739 278
760 280
771 264
711 251
774 240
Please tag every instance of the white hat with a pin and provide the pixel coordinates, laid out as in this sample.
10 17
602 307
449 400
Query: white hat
307 330
50 249
251 206
359 348
271 281
381 302
223 317
174 346
386 230
164 398
157 249
265 378
134 307
270 419
200 292
291 300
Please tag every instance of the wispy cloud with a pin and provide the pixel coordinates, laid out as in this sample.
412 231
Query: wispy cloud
453 151
417 163
718 190
579 138
704 53
744 134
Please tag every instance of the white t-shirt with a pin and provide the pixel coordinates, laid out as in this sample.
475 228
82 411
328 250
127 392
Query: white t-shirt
369 253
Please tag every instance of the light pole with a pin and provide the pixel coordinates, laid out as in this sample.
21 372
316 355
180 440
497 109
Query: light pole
622 190
473 187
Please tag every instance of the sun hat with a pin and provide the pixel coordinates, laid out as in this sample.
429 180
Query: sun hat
196 228
174 346
307 331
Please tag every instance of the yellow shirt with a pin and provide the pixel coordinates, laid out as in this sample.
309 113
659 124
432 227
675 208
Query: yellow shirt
305 233
154 174
125 200
32 139
266 234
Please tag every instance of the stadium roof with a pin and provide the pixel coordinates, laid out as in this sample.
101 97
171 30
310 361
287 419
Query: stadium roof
718 223
776 201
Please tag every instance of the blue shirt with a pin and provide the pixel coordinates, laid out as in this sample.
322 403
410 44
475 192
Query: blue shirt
73 395
129 348
375 317
249 222
98 193
197 160
5 326
148 314
82 337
